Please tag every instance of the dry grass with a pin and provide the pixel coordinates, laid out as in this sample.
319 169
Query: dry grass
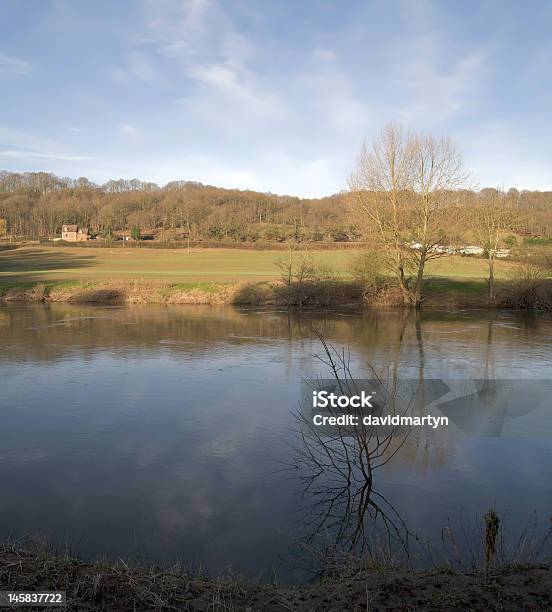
530 294
311 294
127 587
323 294
32 293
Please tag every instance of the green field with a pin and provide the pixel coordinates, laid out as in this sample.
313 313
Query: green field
37 264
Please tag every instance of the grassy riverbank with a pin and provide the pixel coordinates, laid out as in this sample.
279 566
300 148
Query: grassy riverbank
217 276
102 586
442 293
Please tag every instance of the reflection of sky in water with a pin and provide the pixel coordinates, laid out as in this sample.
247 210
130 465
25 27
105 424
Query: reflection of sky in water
115 438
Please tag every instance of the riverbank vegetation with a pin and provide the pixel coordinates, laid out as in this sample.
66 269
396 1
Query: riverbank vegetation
128 586
291 277
222 277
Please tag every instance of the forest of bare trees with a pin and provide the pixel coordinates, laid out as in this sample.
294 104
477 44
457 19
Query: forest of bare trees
34 205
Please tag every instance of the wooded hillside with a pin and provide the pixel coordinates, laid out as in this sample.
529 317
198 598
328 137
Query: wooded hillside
35 205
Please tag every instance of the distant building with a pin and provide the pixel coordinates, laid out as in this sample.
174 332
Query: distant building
441 249
438 248
472 250
74 233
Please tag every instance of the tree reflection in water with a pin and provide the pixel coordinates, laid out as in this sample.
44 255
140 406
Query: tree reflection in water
344 518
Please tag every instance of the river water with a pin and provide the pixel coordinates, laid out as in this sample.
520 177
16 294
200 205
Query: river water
166 433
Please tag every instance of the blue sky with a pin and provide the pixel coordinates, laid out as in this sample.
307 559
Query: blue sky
271 95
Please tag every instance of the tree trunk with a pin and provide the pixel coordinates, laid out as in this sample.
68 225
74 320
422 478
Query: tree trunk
418 296
491 277
403 285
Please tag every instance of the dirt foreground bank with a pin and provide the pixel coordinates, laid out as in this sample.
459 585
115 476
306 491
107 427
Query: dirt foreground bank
123 587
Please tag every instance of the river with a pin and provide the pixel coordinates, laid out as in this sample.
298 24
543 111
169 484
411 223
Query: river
165 433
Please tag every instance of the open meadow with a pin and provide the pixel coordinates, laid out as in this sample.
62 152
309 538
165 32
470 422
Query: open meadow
244 276
58 264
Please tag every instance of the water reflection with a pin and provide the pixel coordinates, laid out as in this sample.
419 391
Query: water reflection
344 517
160 431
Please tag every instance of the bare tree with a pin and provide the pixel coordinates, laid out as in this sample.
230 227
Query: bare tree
403 188
437 174
378 189
493 214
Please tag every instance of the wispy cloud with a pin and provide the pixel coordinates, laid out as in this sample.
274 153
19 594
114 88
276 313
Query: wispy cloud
275 96
30 155
234 86
340 106
436 76
137 66
20 145
130 132
435 94
201 39
14 65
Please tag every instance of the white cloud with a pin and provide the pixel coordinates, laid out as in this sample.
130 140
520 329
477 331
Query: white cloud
333 92
21 154
22 139
23 146
437 94
200 38
432 75
130 132
235 87
236 49
138 66
14 65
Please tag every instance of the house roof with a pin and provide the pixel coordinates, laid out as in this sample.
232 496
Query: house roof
70 228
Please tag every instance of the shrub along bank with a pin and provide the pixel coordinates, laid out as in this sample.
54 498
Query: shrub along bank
441 293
